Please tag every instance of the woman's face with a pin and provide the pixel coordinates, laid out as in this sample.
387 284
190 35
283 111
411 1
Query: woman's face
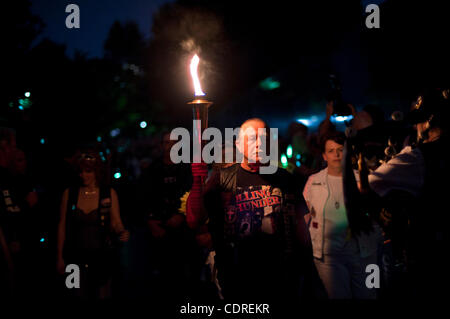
333 154
88 177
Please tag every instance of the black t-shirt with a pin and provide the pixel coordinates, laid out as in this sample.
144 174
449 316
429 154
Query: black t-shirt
253 227
253 209
161 188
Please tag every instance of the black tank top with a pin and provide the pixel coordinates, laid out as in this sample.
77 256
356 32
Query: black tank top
87 233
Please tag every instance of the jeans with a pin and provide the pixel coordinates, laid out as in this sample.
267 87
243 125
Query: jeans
344 276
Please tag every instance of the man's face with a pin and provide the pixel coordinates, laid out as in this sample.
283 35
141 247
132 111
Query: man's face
333 154
250 140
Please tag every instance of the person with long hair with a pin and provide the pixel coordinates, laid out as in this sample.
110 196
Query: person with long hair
89 226
340 256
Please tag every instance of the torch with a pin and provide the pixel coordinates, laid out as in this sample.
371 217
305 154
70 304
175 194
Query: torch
199 110
194 211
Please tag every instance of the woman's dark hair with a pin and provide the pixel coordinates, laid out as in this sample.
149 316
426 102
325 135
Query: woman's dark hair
337 137
89 161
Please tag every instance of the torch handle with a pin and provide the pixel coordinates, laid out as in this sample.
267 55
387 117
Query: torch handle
200 117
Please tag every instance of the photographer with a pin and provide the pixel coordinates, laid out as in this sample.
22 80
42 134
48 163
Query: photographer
418 171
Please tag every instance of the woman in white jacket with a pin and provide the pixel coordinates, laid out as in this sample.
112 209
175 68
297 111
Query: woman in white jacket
340 259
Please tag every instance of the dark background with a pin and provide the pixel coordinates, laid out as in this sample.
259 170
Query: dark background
129 63
240 43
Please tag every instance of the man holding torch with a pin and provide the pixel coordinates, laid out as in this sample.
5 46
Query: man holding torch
256 224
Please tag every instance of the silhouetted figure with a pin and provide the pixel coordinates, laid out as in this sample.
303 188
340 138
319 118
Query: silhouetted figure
89 227
160 190
420 171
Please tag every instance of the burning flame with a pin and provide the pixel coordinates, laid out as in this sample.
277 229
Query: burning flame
194 66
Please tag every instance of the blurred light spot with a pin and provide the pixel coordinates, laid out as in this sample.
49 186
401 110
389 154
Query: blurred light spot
284 160
27 94
115 132
20 107
117 175
269 84
299 156
42 239
99 139
311 121
26 102
305 122
42 141
342 118
298 163
289 151
143 124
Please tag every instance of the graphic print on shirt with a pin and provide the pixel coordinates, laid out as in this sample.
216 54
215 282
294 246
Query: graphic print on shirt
252 210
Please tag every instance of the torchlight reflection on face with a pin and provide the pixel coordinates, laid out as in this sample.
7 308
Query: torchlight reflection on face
251 141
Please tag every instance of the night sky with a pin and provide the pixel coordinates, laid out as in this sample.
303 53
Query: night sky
299 46
96 18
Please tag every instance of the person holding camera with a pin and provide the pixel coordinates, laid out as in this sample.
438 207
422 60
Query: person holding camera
419 171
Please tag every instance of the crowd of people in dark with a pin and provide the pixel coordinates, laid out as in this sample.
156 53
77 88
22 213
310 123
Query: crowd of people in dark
346 207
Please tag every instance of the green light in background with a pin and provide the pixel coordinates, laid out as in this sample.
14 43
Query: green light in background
26 102
269 84
289 151
284 160
42 141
